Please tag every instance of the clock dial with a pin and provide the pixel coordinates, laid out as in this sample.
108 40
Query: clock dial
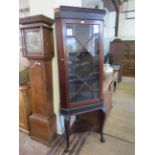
33 41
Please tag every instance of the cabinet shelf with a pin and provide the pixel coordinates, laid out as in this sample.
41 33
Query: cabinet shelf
83 125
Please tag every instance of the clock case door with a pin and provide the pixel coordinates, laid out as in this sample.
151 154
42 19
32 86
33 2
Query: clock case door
80 80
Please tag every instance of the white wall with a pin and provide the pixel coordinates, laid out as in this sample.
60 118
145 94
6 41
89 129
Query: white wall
71 2
109 26
46 7
126 26
109 29
92 3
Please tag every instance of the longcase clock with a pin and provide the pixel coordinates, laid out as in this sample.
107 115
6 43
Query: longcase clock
79 33
37 45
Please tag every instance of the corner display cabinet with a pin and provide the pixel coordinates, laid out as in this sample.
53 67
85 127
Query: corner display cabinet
79 33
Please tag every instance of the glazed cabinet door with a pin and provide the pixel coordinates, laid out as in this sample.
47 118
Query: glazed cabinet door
83 54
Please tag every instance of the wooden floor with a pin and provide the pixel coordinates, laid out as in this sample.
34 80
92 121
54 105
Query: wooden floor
119 131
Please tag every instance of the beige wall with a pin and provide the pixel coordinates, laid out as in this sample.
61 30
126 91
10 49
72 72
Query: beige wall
46 7
127 26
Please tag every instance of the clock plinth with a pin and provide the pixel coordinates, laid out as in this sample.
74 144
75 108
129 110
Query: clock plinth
43 129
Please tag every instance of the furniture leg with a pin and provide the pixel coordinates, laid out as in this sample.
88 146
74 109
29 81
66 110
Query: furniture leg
102 118
67 131
115 85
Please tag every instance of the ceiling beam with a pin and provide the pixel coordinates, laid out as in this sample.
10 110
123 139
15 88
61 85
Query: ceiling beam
116 4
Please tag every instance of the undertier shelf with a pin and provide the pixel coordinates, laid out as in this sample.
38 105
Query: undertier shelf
83 125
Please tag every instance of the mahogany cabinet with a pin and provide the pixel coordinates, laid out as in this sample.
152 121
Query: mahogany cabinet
79 33
117 54
37 47
128 67
25 108
122 52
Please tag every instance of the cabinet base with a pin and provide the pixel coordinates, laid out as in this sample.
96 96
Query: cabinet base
42 129
83 124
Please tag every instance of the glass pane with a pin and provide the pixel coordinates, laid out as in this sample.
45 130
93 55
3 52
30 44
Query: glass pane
83 64
20 40
33 41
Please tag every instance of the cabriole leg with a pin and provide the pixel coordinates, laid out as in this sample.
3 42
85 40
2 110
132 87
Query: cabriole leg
102 118
67 131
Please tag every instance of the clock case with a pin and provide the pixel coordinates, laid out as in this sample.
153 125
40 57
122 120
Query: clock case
38 49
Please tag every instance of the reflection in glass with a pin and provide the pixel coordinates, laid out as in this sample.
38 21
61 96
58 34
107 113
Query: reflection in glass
96 29
33 41
20 41
83 61
69 32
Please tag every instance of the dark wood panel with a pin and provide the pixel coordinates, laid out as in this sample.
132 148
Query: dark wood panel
35 19
129 62
61 64
37 83
79 13
43 129
25 108
122 52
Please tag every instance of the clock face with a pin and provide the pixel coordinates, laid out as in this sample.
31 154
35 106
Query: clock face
33 41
